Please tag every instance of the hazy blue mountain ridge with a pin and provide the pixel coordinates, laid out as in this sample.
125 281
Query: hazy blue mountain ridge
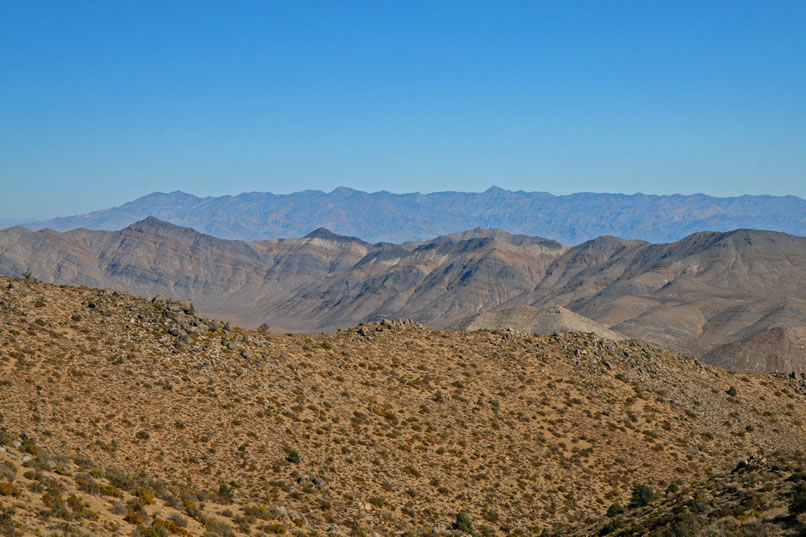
388 217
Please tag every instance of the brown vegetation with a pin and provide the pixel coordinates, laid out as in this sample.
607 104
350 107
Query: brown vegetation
139 414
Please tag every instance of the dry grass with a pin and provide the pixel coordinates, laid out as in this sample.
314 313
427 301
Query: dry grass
388 427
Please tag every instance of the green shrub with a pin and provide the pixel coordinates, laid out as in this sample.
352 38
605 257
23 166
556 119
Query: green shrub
225 491
615 509
732 391
463 523
292 456
642 495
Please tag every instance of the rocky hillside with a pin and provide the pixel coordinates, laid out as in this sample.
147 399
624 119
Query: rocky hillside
713 295
760 497
383 216
132 414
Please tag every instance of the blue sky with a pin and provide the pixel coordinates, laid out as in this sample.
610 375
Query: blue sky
102 102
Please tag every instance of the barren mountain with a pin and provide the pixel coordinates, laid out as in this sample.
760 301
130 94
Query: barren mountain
705 292
383 216
773 349
537 321
123 415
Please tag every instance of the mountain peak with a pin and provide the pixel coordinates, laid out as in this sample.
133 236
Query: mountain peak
495 190
149 222
152 224
344 190
326 234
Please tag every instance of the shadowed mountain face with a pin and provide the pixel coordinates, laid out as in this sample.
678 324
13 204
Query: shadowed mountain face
703 294
383 216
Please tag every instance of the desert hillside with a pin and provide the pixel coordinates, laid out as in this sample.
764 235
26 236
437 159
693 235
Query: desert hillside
388 427
710 295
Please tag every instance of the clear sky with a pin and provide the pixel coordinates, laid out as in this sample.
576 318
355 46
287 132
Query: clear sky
102 102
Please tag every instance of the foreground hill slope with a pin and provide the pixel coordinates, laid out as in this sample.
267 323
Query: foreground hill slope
386 427
760 497
384 216
710 294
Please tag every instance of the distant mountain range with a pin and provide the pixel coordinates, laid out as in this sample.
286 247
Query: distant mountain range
387 217
715 295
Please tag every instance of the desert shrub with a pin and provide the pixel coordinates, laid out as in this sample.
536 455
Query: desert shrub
219 527
97 473
119 509
133 518
7 489
642 495
191 508
29 447
135 507
8 526
57 506
797 503
463 523
155 530
120 479
225 491
145 495
87 484
111 490
732 391
615 509
61 470
491 515
179 520
292 456
8 471
80 508
257 511
276 528
486 531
